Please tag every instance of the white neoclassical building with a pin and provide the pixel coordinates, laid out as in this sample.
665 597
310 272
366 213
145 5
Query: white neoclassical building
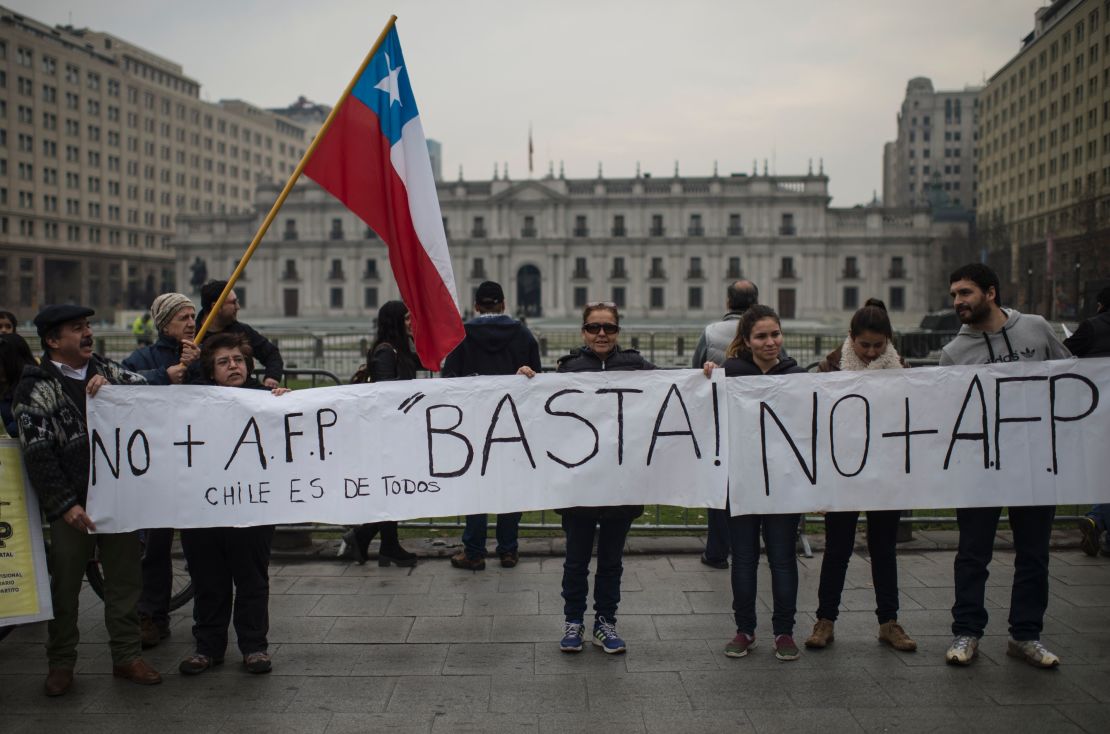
661 248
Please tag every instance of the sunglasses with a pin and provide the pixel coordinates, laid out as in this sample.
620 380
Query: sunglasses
601 304
595 328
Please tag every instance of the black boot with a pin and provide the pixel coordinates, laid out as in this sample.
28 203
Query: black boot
391 550
358 540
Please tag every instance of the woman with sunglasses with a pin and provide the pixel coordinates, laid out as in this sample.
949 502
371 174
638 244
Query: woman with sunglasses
756 351
600 327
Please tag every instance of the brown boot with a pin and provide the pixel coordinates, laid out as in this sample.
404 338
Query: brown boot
892 634
822 634
137 671
461 560
58 681
149 634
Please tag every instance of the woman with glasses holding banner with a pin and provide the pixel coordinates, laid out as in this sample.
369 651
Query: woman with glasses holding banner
610 525
755 351
229 566
869 346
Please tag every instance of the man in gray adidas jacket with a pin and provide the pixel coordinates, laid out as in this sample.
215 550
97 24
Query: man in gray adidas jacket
991 334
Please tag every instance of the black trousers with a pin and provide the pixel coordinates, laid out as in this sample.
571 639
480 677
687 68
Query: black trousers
220 558
365 533
1032 528
840 540
717 535
154 602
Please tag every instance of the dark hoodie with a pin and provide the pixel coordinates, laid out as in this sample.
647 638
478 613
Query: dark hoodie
745 366
495 344
1023 338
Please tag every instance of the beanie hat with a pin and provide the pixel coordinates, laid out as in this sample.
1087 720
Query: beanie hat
166 305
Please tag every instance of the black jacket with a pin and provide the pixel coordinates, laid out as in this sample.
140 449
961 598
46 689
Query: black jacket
151 361
1092 338
744 366
494 345
584 360
50 414
385 363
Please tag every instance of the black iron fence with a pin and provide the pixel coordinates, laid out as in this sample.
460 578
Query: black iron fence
341 353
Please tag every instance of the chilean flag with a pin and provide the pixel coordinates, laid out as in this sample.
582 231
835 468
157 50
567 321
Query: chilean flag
374 159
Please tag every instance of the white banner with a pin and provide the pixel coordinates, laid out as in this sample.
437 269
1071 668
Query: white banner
209 456
1026 433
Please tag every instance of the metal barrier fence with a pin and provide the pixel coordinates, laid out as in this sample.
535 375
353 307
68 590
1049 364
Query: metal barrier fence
341 353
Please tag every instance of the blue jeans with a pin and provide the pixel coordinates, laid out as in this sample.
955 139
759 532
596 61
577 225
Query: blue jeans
611 534
1101 515
474 536
1032 528
780 533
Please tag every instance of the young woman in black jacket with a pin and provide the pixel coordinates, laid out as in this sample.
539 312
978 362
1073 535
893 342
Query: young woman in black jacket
391 357
756 351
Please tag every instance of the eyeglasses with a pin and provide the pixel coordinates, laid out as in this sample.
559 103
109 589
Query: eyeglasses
596 328
601 304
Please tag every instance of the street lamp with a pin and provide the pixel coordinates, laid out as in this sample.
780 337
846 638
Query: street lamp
1077 291
1029 290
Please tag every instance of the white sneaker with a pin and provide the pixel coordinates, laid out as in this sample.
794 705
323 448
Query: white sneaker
1032 652
962 650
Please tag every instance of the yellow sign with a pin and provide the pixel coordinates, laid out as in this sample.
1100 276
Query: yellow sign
20 540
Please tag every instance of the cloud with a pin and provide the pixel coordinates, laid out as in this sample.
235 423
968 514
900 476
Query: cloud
619 81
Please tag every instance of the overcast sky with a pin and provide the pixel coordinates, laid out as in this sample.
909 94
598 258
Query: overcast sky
600 81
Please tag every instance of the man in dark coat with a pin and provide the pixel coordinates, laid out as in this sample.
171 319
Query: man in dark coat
714 342
49 408
495 344
227 320
1092 339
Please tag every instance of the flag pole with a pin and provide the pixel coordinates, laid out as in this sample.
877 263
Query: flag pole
292 180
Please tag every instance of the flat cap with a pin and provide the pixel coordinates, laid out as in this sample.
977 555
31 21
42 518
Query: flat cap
52 316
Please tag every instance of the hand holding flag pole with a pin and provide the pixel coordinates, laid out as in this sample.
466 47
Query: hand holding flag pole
289 184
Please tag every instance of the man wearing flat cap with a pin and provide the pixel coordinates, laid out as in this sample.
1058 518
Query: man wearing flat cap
49 407
495 344
164 362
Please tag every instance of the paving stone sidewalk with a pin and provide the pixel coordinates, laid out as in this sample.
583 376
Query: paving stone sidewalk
435 649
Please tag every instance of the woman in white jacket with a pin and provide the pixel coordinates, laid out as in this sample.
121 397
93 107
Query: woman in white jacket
868 347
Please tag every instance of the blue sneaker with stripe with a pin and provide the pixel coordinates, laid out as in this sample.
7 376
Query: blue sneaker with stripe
606 637
572 636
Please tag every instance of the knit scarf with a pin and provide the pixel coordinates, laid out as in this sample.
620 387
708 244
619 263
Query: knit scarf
888 360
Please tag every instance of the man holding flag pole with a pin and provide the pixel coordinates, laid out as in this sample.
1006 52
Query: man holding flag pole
371 154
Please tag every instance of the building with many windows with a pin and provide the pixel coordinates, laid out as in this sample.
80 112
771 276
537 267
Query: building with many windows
1044 161
660 248
932 161
102 144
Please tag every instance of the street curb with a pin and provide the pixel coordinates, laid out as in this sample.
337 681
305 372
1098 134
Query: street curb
924 541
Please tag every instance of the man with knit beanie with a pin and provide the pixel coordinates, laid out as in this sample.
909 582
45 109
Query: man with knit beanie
165 362
227 319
